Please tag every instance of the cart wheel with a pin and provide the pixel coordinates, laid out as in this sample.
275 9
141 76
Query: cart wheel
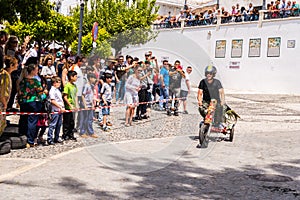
231 134
202 135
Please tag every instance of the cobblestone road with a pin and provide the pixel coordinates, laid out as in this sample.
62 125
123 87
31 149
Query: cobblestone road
157 158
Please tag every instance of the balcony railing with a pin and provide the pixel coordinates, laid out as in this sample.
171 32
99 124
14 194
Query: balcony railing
259 18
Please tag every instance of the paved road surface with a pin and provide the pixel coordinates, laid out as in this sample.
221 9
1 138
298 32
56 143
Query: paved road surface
263 162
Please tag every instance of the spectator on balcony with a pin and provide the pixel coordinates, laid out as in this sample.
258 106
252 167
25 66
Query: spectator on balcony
249 16
288 9
282 8
233 13
295 8
191 19
276 9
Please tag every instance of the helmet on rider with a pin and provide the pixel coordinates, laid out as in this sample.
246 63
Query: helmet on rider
210 69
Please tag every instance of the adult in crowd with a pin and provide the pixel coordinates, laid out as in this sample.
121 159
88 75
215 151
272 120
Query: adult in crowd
3 39
48 70
131 99
65 69
60 66
210 88
11 64
11 49
185 88
143 92
30 96
79 60
120 69
33 52
164 85
176 74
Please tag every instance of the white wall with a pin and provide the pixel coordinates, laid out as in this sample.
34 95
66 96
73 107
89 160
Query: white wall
196 47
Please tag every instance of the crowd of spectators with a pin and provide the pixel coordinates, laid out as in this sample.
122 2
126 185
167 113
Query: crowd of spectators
76 87
279 9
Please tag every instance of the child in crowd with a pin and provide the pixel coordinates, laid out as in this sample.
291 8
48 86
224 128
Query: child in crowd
57 102
42 123
70 99
86 122
106 97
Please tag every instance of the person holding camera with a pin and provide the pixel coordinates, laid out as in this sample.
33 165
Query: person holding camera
143 92
176 75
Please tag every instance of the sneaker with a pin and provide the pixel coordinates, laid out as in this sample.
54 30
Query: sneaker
106 129
144 117
51 143
30 145
176 113
169 113
58 141
84 136
108 124
73 138
94 135
101 124
185 112
65 137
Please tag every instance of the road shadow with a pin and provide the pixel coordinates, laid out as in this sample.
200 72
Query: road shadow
185 180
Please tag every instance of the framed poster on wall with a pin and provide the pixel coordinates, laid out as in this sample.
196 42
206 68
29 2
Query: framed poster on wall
220 49
274 47
237 48
254 47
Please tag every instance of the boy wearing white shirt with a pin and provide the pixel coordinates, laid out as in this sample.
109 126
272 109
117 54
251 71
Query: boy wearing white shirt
57 102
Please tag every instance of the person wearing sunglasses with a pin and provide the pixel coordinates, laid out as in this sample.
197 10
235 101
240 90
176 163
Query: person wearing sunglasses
211 88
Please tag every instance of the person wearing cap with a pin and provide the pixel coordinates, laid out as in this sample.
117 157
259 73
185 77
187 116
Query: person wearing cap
176 74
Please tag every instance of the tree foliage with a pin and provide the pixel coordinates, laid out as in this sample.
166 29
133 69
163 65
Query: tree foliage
25 10
58 28
103 48
127 25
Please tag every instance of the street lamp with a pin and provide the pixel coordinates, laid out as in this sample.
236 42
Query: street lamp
80 27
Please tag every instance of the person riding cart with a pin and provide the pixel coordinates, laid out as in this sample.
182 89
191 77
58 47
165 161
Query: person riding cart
211 88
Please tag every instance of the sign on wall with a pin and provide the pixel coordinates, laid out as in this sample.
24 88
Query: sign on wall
274 47
220 49
237 48
291 43
254 47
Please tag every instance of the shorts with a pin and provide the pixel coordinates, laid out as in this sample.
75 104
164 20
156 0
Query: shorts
183 95
106 110
130 99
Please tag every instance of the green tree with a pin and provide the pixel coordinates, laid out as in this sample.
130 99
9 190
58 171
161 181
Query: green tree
127 25
103 48
25 10
58 28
